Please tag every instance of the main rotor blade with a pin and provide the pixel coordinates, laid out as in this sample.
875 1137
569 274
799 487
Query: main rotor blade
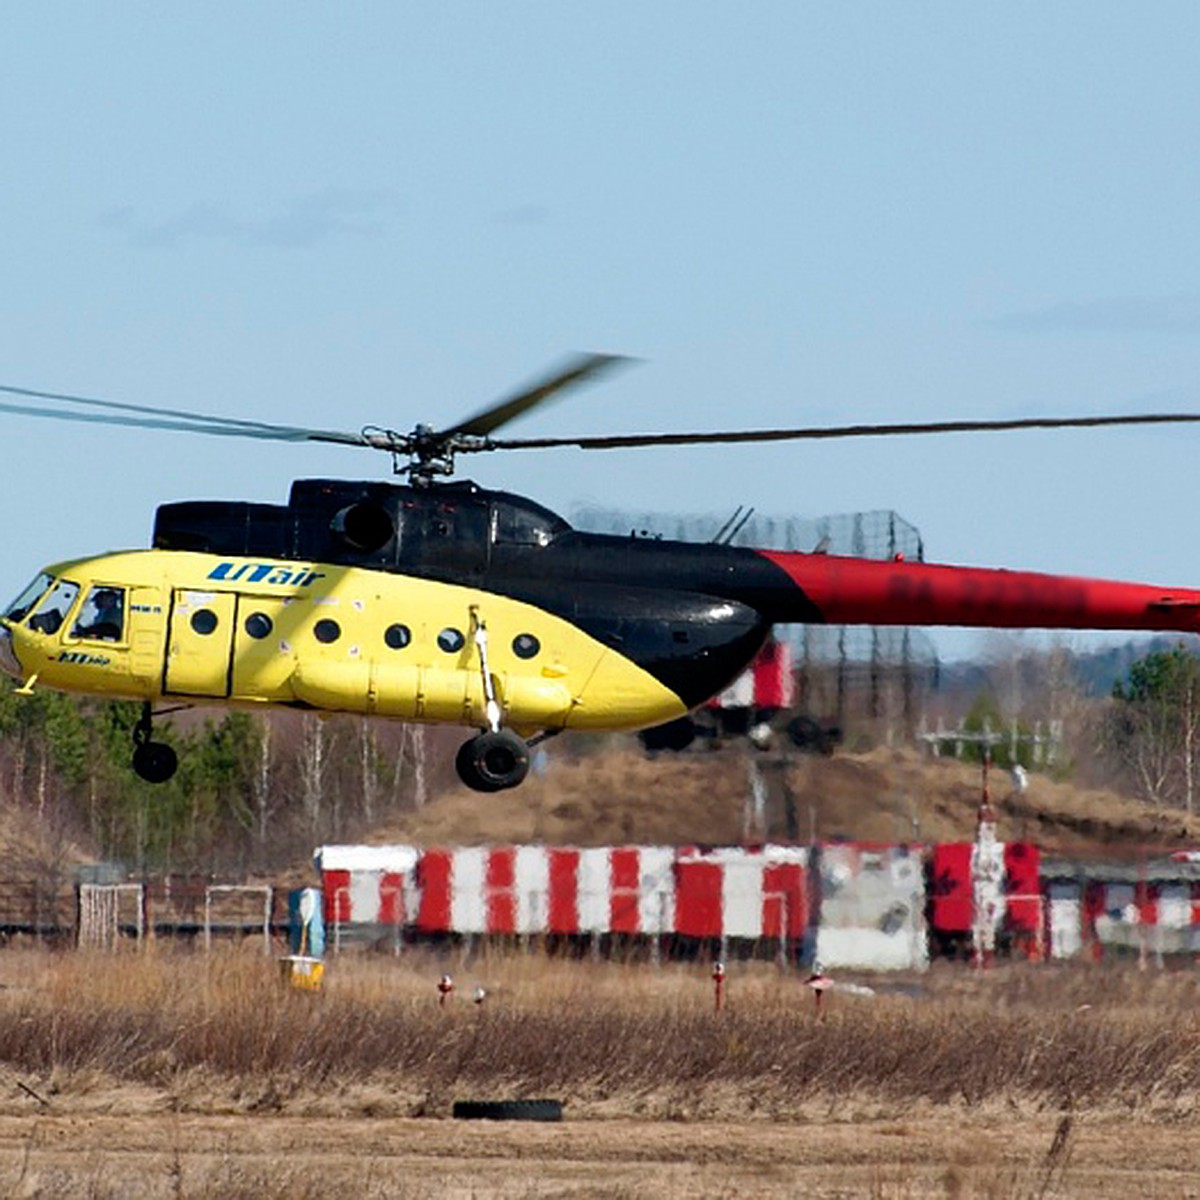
120 406
173 419
630 441
580 369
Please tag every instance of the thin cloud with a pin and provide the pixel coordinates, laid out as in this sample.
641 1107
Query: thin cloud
1130 314
304 221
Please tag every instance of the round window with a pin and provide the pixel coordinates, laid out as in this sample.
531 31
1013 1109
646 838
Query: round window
326 631
204 621
258 625
397 636
451 640
525 645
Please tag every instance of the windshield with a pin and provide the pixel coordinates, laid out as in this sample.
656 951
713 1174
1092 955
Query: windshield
20 608
53 610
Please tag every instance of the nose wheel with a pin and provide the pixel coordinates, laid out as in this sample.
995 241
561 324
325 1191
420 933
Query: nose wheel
155 762
493 761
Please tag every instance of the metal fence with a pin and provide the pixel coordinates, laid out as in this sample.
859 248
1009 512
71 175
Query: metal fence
877 673
105 908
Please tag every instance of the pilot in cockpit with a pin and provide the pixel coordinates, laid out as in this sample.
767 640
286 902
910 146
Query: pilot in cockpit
102 617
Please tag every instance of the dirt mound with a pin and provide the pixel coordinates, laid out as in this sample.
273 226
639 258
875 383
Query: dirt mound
598 800
884 795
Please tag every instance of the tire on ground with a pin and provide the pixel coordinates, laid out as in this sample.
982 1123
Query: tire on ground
508 1110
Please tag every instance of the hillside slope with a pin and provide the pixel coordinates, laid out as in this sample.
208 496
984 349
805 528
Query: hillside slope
884 795
34 847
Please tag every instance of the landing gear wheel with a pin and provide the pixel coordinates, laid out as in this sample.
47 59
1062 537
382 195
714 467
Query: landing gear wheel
155 762
491 762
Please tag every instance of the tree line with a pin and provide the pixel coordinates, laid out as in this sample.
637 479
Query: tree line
257 791
253 791
1152 728
1142 738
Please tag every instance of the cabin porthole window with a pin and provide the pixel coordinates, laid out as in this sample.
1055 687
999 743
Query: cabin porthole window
525 645
451 640
327 631
259 626
204 621
397 636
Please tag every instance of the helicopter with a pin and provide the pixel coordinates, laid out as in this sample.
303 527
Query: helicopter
437 600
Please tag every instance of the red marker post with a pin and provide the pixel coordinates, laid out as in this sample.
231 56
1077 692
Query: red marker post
718 978
820 984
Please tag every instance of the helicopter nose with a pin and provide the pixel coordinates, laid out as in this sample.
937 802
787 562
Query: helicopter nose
9 663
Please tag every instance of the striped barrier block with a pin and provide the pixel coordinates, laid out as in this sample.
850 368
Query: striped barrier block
1148 909
728 892
366 885
735 892
541 889
953 872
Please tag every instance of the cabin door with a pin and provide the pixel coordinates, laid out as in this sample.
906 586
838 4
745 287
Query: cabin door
200 643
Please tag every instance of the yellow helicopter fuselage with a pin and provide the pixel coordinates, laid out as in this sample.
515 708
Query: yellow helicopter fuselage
219 629
439 600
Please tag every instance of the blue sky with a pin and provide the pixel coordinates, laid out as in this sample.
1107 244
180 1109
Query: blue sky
793 214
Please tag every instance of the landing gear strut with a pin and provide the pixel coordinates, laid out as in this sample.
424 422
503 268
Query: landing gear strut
496 758
155 762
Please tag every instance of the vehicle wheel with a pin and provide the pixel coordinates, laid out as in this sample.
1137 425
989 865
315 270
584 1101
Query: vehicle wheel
508 1110
491 762
155 762
810 737
674 735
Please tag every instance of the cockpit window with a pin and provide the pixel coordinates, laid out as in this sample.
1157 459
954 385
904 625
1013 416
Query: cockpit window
526 524
102 617
53 610
21 607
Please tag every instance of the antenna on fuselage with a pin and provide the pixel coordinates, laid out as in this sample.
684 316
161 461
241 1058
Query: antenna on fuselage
719 536
738 526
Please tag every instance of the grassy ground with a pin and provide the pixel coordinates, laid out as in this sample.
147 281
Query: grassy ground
175 1074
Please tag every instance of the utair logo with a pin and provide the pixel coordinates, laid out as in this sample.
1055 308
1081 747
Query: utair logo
270 573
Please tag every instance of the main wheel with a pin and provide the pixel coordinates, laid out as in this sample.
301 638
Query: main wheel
155 762
491 762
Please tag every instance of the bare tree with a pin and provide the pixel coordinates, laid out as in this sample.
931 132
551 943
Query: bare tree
367 765
1153 729
313 763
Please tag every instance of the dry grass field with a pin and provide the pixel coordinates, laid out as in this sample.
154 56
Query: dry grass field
177 1075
